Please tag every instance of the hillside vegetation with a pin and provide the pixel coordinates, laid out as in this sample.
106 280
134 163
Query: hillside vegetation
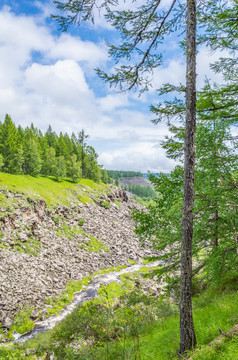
134 320
53 235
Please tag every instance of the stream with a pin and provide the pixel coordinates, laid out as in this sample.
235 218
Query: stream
80 297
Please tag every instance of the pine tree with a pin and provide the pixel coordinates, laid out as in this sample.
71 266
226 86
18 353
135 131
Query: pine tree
82 136
51 137
32 158
61 148
18 161
215 210
74 168
1 161
104 176
69 146
49 163
16 145
9 144
91 168
60 168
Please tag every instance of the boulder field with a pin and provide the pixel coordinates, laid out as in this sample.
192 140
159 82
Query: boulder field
42 249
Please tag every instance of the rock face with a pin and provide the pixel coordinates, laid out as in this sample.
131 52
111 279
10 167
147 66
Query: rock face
136 180
42 250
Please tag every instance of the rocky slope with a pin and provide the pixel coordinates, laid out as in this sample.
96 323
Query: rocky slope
41 249
136 180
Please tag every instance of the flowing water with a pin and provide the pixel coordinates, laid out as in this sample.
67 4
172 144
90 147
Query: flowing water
80 297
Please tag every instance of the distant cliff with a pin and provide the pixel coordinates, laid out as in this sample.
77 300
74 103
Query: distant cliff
136 180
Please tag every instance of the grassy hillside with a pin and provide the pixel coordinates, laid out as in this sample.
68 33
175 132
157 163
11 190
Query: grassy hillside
50 190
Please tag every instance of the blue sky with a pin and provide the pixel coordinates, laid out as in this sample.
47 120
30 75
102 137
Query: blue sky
47 77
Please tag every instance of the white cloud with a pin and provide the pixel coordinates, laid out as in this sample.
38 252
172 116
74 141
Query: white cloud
204 59
19 37
46 10
22 32
45 79
62 81
173 73
113 101
136 158
68 47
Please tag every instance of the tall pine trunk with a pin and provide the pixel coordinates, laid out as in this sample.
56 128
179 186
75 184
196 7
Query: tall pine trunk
187 333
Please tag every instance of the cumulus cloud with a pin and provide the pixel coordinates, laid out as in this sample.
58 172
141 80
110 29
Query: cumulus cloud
204 59
173 73
112 101
44 79
68 47
136 157
64 81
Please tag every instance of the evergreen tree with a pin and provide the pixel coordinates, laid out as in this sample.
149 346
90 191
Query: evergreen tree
32 158
104 176
74 168
49 163
18 161
22 149
9 144
51 137
61 148
21 135
82 137
60 168
69 146
1 161
215 210
91 168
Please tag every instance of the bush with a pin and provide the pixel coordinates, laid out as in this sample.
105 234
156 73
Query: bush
81 222
105 204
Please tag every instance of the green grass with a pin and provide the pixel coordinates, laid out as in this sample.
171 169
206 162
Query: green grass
160 339
117 203
228 350
149 259
81 222
31 247
50 190
94 245
58 303
108 293
22 322
221 311
70 232
113 268
155 321
106 204
91 244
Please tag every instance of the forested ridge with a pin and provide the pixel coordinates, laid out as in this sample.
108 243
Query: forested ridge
29 151
118 174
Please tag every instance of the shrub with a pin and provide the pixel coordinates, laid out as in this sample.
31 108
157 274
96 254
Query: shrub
81 222
105 204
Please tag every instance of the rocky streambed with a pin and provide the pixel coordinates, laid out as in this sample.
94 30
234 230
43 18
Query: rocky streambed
42 249
90 292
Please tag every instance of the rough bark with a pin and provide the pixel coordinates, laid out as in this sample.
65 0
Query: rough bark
187 333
